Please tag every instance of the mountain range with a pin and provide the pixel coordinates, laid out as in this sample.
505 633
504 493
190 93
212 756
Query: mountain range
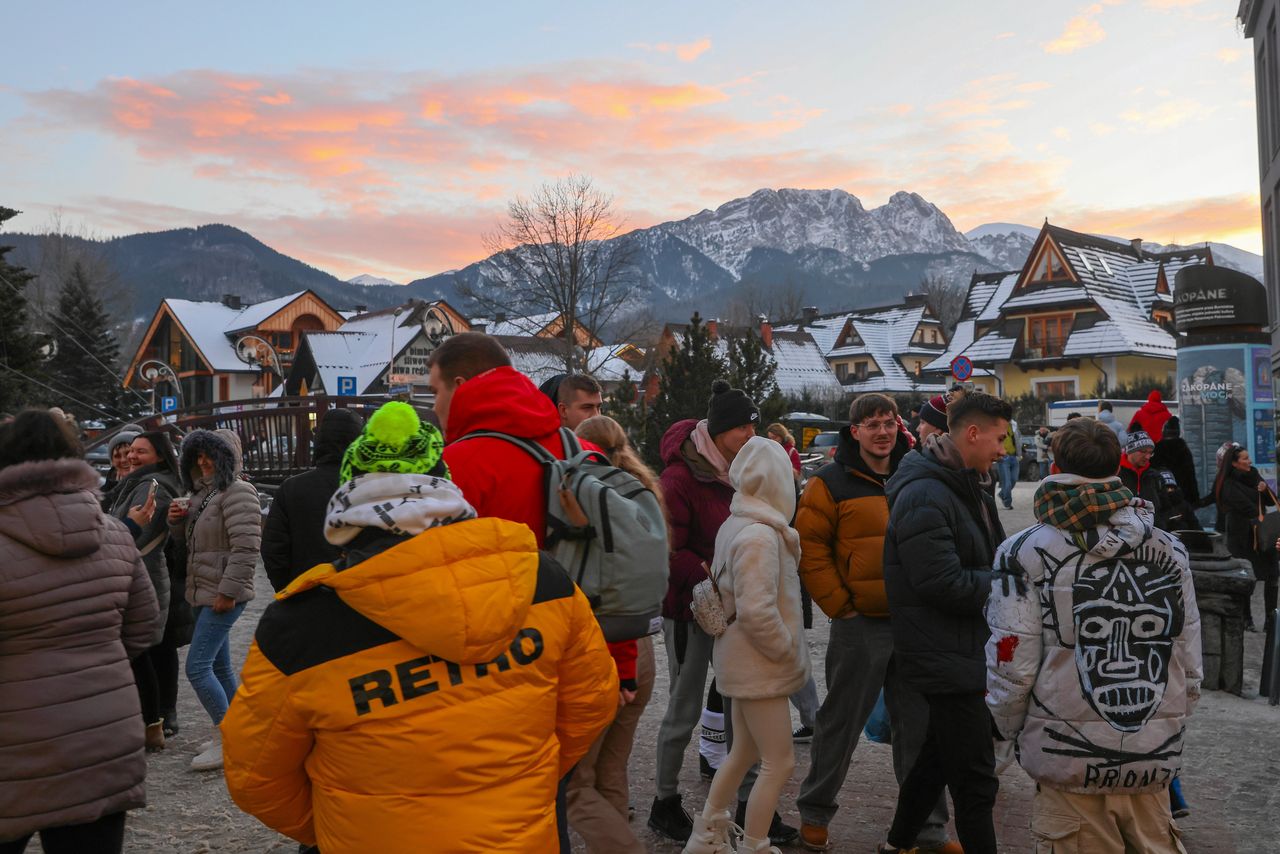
819 247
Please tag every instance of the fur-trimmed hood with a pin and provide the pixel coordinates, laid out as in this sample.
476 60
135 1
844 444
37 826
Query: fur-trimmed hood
216 446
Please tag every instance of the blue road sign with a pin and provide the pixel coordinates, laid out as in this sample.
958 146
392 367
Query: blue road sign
168 404
347 386
961 368
402 389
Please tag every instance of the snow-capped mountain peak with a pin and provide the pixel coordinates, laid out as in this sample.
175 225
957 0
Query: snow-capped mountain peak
366 280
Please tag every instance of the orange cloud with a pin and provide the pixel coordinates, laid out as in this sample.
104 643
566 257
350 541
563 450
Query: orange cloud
1166 114
687 52
1080 32
1222 218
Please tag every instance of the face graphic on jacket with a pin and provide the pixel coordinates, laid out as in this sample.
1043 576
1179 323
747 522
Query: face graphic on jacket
1126 614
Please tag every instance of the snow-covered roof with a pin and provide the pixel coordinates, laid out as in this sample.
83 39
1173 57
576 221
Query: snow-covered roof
531 325
800 364
362 346
1116 278
212 327
608 367
824 330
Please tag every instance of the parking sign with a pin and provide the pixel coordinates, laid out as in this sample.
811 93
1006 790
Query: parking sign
168 404
347 386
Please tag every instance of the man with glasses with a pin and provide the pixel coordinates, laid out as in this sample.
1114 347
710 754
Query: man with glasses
842 519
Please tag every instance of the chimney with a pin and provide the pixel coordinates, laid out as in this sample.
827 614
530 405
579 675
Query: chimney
361 309
766 332
499 317
232 301
1136 243
713 329
810 315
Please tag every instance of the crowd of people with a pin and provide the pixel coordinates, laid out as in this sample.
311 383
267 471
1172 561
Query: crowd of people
416 594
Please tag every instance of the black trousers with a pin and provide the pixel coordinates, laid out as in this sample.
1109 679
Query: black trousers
104 836
164 657
958 755
144 674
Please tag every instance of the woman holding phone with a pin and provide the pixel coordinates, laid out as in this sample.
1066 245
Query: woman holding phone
141 501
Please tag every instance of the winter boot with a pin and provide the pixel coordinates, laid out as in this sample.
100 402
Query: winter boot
751 845
669 818
711 833
210 759
155 737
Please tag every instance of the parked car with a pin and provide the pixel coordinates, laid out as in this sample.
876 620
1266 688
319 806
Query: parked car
824 443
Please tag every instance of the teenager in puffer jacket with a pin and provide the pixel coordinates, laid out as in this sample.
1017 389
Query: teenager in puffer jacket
1094 659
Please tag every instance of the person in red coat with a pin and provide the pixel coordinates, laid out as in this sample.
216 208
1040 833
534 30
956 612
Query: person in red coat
1151 417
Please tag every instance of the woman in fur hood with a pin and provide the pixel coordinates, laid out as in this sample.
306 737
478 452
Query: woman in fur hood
222 528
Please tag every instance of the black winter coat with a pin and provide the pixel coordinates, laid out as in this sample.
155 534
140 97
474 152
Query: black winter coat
293 539
1149 487
938 554
1239 502
1173 453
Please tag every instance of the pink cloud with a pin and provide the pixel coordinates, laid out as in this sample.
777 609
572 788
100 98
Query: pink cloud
1080 32
687 52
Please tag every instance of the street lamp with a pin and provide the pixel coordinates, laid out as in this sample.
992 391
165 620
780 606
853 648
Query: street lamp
254 350
152 372
391 360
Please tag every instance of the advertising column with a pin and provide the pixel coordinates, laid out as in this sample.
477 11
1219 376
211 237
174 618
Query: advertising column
1224 369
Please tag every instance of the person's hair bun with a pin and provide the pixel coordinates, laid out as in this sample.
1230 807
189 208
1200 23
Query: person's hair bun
720 387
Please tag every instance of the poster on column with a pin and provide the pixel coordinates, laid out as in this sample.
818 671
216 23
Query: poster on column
1212 403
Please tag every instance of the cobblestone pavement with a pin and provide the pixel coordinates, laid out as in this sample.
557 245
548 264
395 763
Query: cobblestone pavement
1231 772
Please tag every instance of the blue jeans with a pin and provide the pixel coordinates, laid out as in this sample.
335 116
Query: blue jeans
209 659
1009 466
1044 469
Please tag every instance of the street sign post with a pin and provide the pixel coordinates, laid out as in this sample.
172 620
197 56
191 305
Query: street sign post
961 368
347 386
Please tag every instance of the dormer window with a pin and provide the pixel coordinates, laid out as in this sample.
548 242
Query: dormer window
1049 266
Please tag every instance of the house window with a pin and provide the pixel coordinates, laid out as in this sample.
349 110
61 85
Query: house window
1047 336
1056 389
1163 318
919 368
1049 266
842 371
860 370
933 336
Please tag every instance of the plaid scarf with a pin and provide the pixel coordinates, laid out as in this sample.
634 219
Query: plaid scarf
1080 506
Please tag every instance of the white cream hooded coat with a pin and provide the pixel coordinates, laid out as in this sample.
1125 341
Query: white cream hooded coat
1094 659
764 653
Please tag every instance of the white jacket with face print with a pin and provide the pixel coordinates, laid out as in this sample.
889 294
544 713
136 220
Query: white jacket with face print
1094 659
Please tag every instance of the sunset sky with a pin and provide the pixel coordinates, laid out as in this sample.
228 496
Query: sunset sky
387 137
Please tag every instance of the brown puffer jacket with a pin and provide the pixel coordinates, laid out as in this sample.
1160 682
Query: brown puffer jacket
222 539
75 605
842 519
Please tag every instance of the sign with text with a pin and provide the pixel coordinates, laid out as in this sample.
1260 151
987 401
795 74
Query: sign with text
1205 296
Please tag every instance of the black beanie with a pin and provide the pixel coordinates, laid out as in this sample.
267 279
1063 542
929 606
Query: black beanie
1172 428
551 388
729 408
935 413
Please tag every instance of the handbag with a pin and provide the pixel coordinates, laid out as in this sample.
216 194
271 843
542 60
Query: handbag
708 607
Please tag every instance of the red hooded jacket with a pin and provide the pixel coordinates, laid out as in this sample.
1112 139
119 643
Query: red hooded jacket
1151 417
501 480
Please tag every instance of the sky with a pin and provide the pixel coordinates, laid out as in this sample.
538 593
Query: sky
388 138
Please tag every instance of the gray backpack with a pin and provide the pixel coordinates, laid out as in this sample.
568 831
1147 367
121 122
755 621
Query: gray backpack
618 559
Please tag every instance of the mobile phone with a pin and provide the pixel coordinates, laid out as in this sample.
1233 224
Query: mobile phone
151 490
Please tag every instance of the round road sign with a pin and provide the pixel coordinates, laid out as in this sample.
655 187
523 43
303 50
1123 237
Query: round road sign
961 368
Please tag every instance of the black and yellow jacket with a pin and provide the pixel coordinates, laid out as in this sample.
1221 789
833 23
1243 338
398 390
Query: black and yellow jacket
428 698
842 519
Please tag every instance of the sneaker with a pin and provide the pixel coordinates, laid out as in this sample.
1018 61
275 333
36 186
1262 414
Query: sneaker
782 834
814 837
1181 812
209 759
804 735
670 819
704 768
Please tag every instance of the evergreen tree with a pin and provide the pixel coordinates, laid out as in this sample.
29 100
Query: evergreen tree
87 350
685 378
20 357
752 369
624 406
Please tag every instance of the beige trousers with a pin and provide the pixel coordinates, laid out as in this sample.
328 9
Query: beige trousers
598 795
1067 823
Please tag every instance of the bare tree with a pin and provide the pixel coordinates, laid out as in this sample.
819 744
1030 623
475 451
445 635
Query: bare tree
779 303
944 299
557 253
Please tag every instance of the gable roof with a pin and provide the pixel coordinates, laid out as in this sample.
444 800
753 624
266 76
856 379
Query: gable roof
1117 280
800 364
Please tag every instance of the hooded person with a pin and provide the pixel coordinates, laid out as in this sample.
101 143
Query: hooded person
1173 453
763 657
1151 417
221 528
428 688
698 494
1094 660
292 540
1107 416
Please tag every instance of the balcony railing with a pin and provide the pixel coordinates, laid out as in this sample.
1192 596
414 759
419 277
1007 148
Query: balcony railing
1045 348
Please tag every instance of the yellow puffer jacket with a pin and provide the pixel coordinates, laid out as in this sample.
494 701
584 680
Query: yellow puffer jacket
428 698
